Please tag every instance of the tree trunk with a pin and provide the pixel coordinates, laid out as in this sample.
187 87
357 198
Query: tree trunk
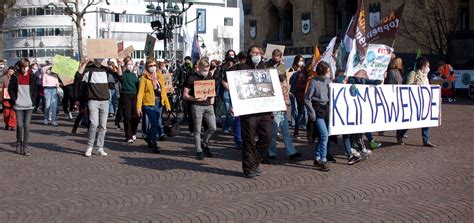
80 47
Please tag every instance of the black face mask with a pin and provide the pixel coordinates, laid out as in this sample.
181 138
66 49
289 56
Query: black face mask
213 67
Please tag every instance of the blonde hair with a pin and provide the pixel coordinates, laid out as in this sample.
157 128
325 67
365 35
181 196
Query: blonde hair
203 62
396 63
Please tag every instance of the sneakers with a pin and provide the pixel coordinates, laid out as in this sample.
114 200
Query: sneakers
74 131
134 137
365 153
111 115
374 144
200 156
429 144
117 126
400 141
69 115
162 137
55 124
322 166
88 152
45 122
258 171
353 159
101 152
130 141
206 151
331 158
355 153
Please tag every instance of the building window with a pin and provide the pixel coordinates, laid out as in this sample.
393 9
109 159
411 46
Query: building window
228 21
228 44
232 3
39 11
24 12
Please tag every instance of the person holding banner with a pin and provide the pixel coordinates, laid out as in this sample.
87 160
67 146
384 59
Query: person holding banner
9 116
128 94
22 91
418 77
96 82
201 107
317 105
152 97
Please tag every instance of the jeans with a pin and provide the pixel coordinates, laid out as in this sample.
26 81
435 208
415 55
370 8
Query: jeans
294 111
322 146
112 101
280 121
425 134
200 113
23 118
145 123
98 118
300 118
155 120
228 118
347 145
159 118
51 104
237 132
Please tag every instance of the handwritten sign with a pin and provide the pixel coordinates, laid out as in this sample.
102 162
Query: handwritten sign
373 108
169 82
65 67
375 63
150 45
255 91
271 48
102 48
126 52
204 89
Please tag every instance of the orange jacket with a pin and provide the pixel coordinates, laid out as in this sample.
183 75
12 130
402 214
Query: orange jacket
446 72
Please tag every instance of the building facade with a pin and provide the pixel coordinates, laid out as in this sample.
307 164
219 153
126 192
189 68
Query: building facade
303 24
39 32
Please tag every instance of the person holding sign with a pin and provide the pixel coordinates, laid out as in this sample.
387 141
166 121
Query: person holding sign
130 83
418 77
152 98
201 97
95 89
9 116
317 105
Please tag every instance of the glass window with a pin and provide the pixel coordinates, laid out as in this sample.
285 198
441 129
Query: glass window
67 32
40 52
24 12
103 16
39 11
24 33
59 11
57 32
40 31
49 11
68 52
31 11
139 18
49 52
228 21
130 18
59 51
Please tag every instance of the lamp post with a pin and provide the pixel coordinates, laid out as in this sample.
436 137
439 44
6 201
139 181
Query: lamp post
171 16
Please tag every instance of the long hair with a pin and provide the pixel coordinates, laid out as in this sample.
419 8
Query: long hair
296 60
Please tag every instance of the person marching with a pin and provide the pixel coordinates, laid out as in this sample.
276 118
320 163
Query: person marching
130 83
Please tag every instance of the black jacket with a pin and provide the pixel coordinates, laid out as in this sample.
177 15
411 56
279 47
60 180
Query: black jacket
13 87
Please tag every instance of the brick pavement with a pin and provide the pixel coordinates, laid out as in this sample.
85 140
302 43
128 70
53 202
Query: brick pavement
398 183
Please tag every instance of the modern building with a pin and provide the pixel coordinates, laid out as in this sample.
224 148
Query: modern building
39 32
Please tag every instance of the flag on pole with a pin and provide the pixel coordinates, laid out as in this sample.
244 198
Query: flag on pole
357 31
388 28
196 50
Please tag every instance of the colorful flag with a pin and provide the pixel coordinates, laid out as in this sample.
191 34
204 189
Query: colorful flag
357 31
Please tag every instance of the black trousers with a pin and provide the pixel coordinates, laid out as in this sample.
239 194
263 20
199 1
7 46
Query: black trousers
130 116
255 125
82 112
119 110
68 100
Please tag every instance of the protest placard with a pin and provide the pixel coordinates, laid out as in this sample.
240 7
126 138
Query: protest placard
168 77
463 78
150 45
204 88
255 91
271 47
126 52
373 108
373 66
102 48
65 67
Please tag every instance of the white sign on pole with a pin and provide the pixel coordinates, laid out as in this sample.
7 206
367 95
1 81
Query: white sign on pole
375 64
255 91
373 108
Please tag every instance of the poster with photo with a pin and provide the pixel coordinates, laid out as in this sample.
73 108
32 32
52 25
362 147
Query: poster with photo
255 91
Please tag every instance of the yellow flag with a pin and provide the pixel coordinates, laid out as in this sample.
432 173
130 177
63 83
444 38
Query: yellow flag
311 72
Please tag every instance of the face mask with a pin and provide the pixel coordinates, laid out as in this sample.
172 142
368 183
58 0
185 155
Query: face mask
152 70
25 69
256 59
427 70
129 67
99 60
300 64
203 73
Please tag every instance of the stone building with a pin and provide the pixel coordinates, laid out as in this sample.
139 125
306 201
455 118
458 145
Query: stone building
302 24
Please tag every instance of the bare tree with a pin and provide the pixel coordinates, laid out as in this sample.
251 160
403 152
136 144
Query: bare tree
431 26
73 9
5 8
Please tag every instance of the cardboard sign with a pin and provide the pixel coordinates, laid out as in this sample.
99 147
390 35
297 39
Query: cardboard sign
373 108
204 89
126 52
255 91
169 82
101 48
150 45
65 67
271 48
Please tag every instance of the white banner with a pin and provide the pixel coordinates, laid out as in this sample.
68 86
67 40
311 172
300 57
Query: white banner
373 108
374 65
463 78
255 91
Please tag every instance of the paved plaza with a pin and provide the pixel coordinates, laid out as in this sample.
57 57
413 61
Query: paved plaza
397 184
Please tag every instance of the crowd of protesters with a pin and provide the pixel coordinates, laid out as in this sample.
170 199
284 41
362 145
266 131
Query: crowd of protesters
135 91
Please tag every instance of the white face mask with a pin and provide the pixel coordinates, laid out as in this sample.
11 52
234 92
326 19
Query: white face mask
152 69
129 67
203 73
256 59
427 70
300 64
34 69
25 69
